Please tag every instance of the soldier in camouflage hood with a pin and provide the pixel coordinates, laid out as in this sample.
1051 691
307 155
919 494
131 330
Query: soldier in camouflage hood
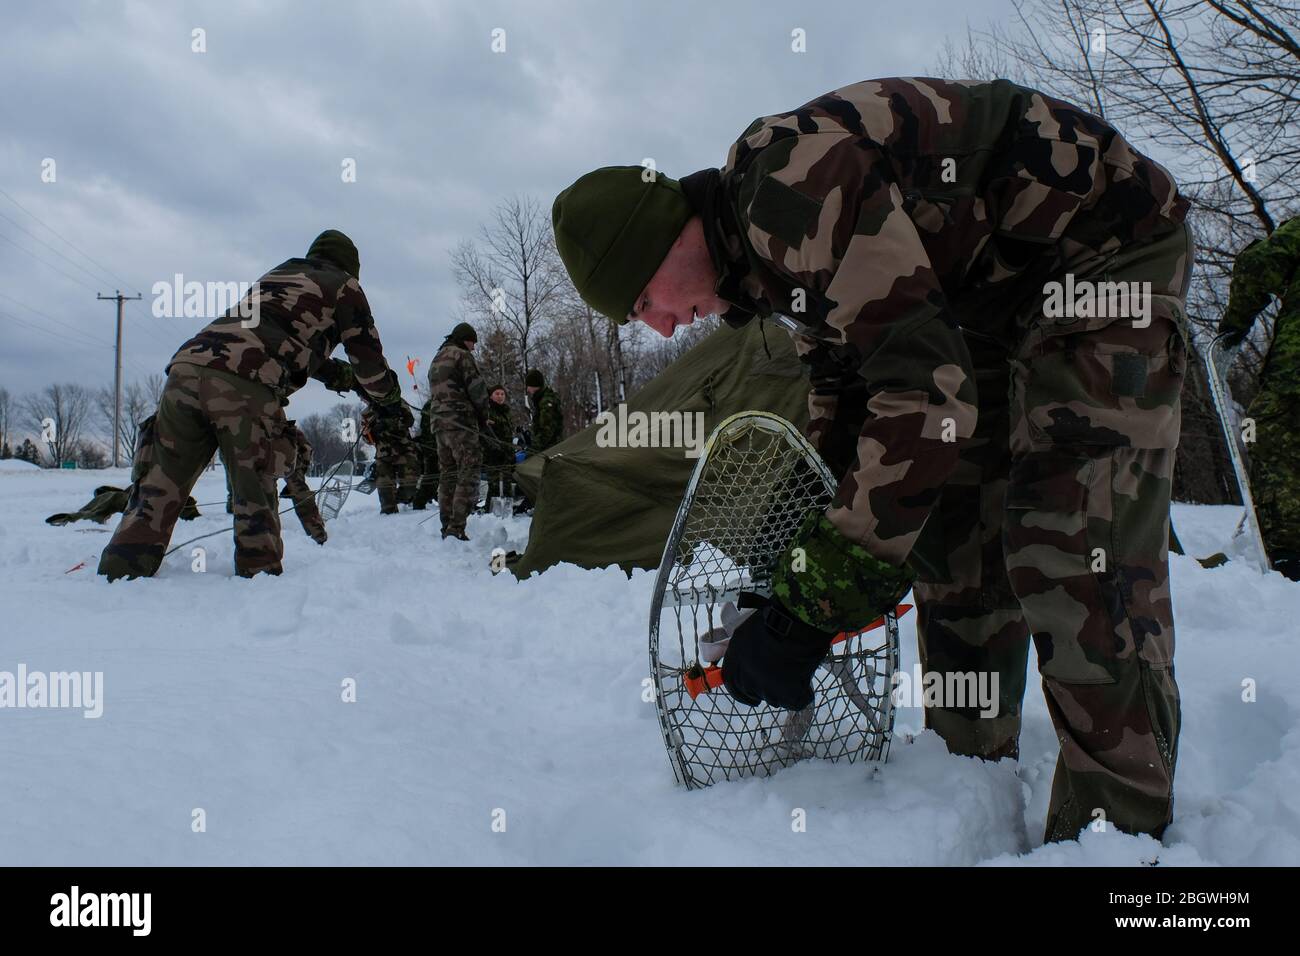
1272 267
226 388
1010 449
458 398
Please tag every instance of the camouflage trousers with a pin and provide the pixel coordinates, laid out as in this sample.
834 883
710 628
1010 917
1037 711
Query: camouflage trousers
203 410
460 459
426 488
295 489
299 492
396 474
1055 524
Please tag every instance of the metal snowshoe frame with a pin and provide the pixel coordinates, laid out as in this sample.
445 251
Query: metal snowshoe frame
754 484
1217 359
334 490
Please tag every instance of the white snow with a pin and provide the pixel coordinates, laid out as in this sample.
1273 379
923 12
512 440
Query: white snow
482 696
18 466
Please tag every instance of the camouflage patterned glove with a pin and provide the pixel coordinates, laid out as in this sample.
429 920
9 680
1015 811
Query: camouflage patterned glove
336 375
830 583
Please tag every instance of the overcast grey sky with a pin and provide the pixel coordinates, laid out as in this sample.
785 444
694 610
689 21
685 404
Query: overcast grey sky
219 165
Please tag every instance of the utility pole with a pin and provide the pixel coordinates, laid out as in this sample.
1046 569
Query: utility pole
119 298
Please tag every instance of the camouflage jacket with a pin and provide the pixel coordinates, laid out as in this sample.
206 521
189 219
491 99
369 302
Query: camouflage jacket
888 218
305 308
458 394
1268 267
498 440
547 420
425 431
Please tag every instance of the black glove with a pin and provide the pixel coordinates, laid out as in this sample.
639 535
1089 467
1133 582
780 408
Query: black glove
772 657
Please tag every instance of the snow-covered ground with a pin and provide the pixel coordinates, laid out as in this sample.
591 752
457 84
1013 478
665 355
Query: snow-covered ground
483 701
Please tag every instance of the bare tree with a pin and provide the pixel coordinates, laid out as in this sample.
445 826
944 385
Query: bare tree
511 276
1209 89
139 401
60 415
328 433
6 419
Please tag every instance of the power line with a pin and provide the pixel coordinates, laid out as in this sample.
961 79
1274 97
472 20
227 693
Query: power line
53 334
46 315
134 366
75 265
86 256
48 264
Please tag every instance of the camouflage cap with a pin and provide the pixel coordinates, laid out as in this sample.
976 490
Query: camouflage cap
462 333
613 228
333 246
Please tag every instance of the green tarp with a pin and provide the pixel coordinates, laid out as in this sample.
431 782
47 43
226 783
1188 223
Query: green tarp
599 506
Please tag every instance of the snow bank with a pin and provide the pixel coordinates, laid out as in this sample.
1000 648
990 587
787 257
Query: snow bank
17 466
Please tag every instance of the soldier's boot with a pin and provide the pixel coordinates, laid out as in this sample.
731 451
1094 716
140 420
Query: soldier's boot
386 485
179 448
971 632
409 478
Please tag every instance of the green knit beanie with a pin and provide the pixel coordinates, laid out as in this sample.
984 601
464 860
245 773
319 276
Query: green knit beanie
462 333
332 246
613 229
534 378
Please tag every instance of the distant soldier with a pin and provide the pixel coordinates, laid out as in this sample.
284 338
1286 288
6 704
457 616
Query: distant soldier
426 445
547 420
396 457
110 500
226 388
459 400
1272 267
498 447
297 490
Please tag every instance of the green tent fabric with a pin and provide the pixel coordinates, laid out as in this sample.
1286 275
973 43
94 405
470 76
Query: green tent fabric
600 506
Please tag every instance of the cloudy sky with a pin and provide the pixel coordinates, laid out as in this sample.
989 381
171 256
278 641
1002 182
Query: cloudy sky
220 164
